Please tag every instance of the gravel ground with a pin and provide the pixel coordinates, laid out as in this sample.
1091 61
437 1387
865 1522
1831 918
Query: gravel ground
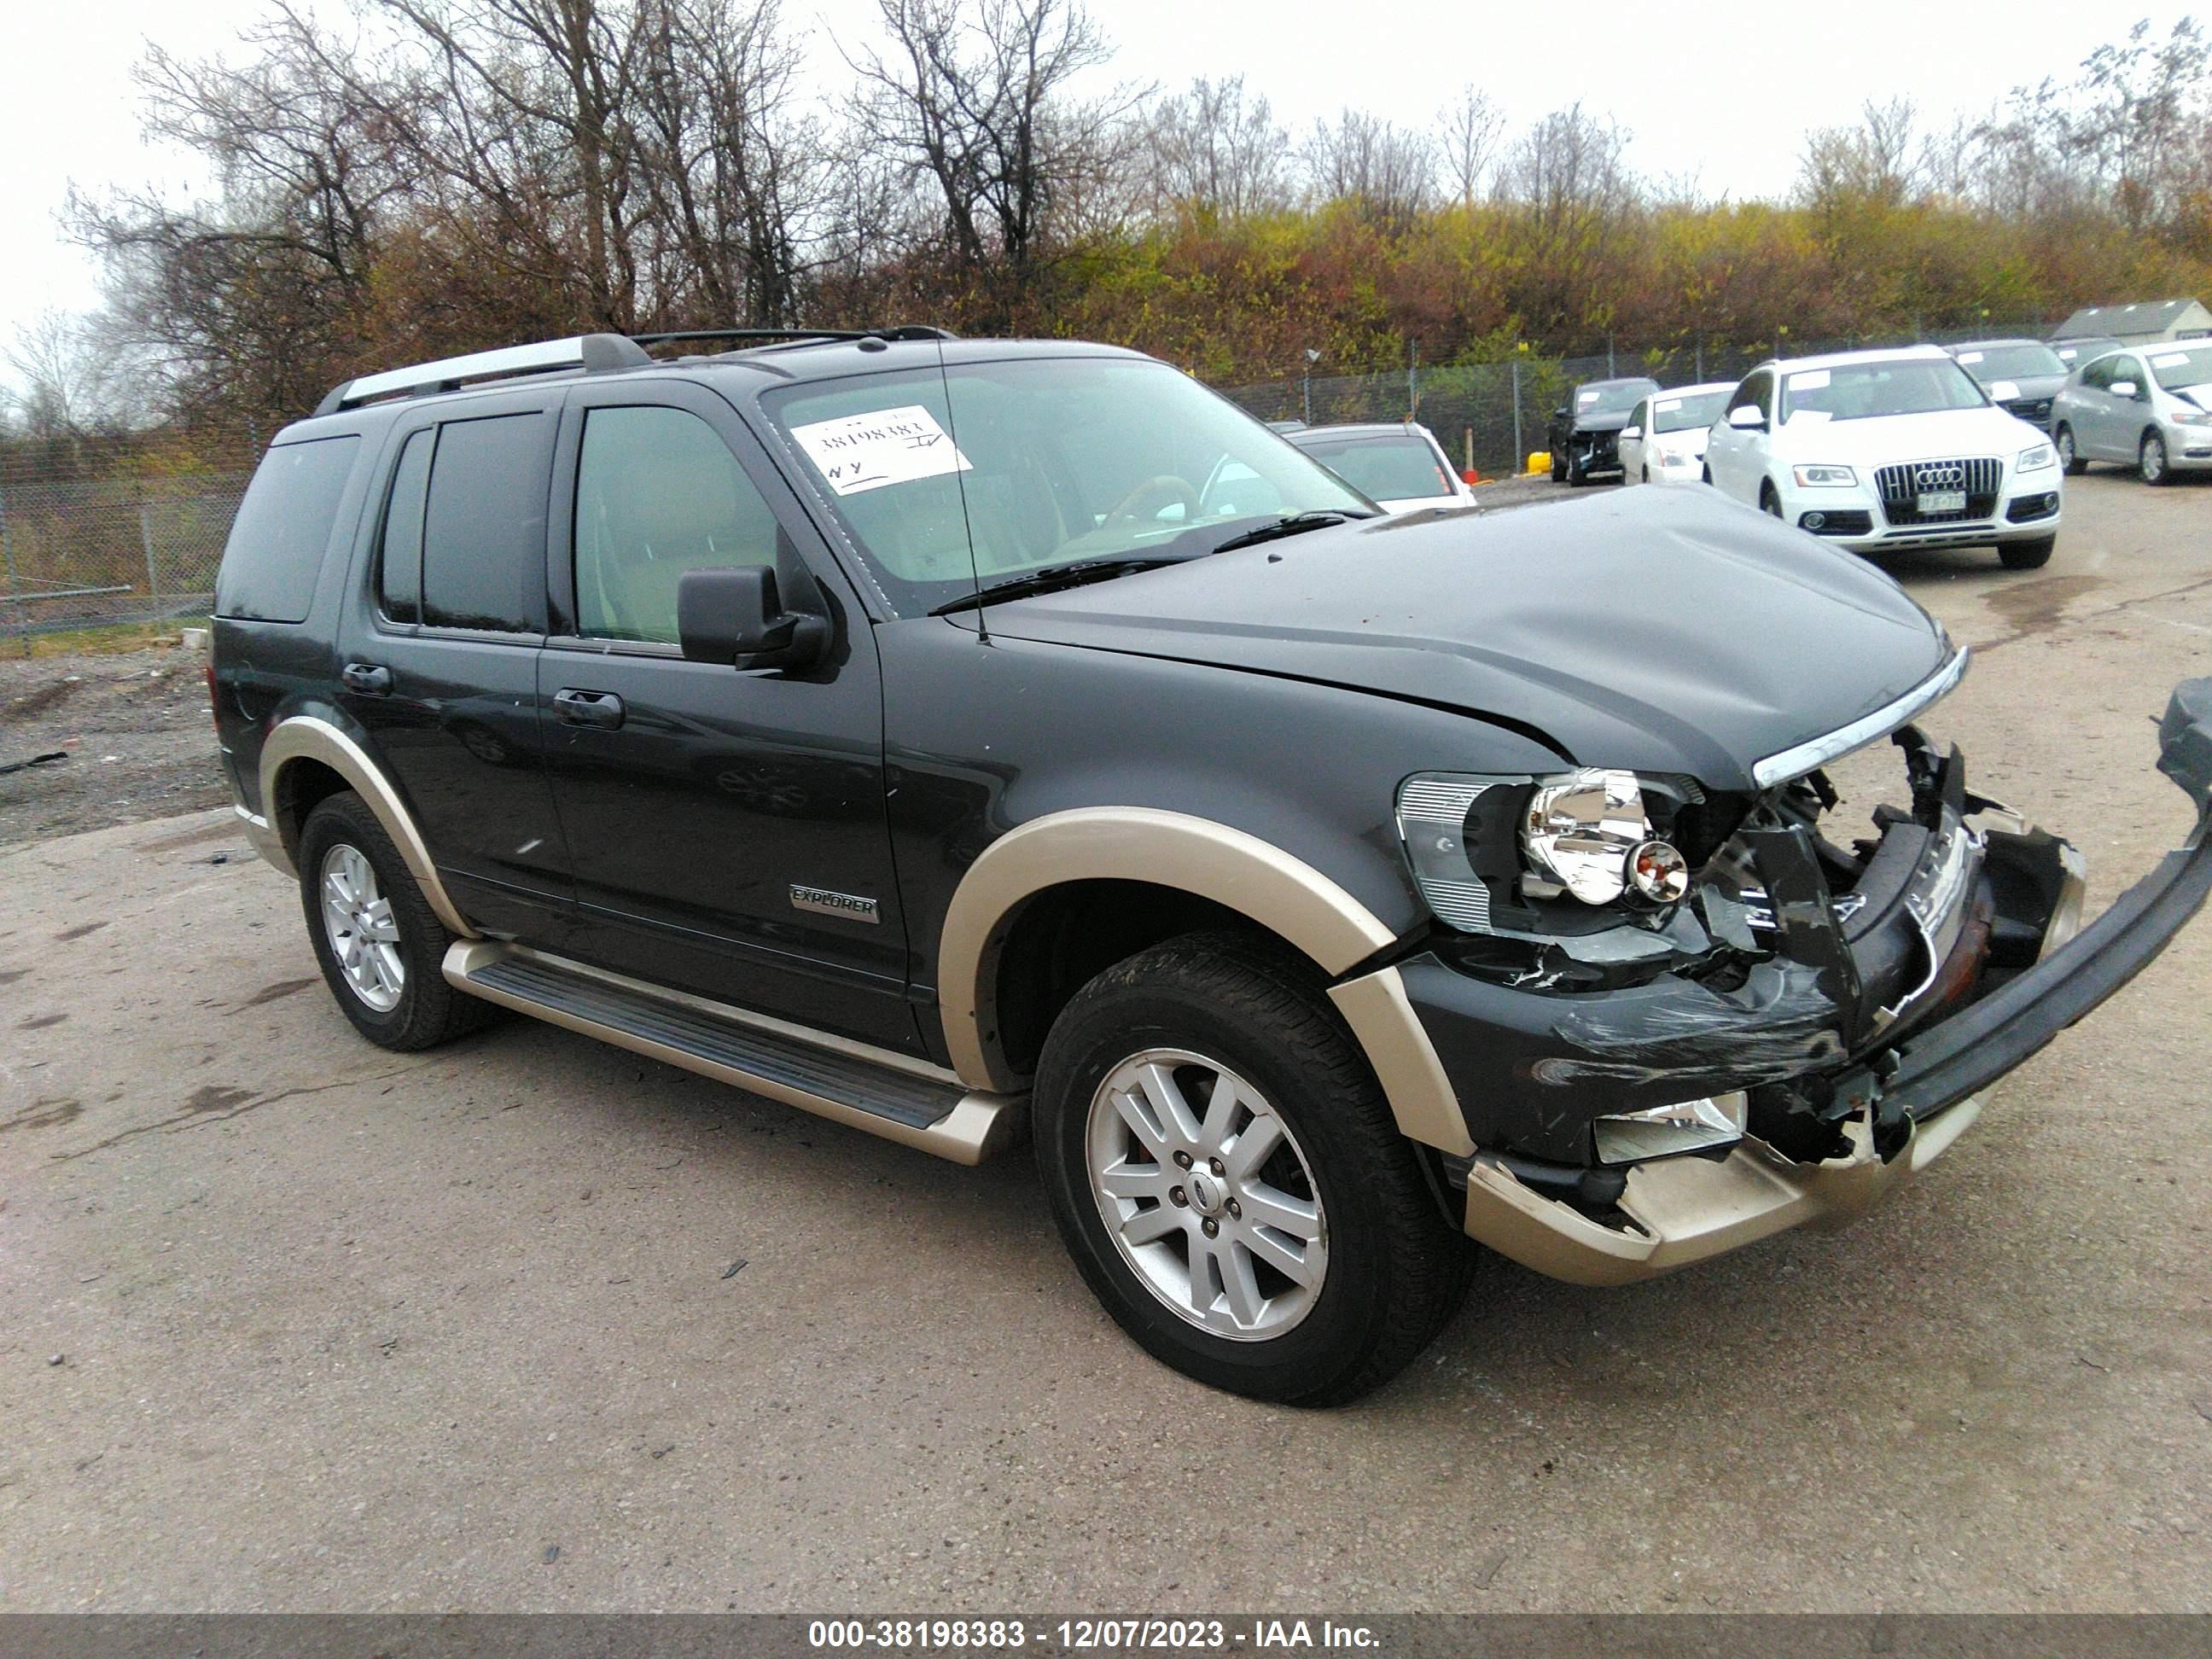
288 1323
135 730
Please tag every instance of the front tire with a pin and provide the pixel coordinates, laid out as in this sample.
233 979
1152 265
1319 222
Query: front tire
2068 456
380 946
1559 469
1226 1173
2151 461
1770 501
2028 556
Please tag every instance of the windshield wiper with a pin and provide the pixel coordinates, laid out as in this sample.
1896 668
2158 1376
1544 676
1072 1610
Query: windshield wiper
1059 576
1295 523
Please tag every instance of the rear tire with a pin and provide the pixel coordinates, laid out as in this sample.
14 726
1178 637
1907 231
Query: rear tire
2151 461
380 945
2069 456
2028 556
1124 1092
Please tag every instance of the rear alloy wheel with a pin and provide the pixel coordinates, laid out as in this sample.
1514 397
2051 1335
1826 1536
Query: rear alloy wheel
380 945
2068 458
2026 555
2150 460
1228 1177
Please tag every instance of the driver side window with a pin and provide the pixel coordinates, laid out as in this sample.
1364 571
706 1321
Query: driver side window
658 493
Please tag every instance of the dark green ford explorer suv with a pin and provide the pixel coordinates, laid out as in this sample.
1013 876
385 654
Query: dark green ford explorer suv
964 739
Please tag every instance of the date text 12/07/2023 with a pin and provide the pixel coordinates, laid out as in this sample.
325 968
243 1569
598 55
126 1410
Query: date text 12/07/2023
1091 1635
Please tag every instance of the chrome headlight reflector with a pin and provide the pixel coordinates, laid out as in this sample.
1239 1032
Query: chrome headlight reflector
1821 476
1686 1127
1585 831
2035 457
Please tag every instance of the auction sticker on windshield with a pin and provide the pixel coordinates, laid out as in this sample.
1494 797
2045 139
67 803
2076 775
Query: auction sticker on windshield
855 453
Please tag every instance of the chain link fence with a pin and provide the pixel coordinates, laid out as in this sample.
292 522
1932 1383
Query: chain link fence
1491 416
124 532
91 540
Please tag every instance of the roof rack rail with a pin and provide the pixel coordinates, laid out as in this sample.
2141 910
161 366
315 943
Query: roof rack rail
593 353
900 331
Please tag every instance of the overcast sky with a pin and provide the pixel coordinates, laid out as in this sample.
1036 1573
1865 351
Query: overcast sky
1726 95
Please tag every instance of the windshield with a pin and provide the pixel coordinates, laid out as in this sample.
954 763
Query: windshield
1395 468
1612 397
1860 392
1691 412
2009 362
2186 366
1057 460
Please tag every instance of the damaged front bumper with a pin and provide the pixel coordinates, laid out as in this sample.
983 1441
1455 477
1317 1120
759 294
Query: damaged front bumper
1859 1064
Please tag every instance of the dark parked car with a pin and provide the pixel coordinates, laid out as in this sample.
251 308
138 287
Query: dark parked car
963 738
1584 434
2021 376
2084 349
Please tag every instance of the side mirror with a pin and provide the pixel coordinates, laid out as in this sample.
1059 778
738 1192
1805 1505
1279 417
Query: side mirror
2123 388
1745 418
1560 413
2003 391
1627 431
733 614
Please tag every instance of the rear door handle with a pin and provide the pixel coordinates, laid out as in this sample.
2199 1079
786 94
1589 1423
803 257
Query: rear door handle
369 678
601 708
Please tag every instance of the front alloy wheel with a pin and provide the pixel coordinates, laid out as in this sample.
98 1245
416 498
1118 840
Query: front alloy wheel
1207 1195
2069 456
1227 1174
2151 460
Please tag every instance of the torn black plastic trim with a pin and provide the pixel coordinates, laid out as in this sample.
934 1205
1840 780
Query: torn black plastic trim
1974 1049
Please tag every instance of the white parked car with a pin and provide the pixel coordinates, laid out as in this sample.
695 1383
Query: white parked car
2148 407
1664 441
1886 449
1399 465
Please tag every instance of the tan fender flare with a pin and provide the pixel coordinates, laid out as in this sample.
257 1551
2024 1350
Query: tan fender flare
305 737
1209 860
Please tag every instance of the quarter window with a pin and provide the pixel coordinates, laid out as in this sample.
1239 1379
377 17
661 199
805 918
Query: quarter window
399 549
658 493
484 524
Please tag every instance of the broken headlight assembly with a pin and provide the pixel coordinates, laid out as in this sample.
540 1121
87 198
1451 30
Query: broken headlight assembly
1484 850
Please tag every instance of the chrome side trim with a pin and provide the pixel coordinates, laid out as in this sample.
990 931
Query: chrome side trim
980 1125
1795 763
305 737
1689 1209
1126 843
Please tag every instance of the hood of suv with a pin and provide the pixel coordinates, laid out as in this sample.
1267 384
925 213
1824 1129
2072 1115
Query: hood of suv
1668 630
1602 420
1942 434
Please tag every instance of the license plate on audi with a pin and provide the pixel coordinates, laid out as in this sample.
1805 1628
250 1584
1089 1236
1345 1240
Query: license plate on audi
1942 500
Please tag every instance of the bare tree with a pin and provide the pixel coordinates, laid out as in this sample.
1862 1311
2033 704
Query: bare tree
64 383
1384 171
1469 128
1571 169
974 97
1215 149
1875 162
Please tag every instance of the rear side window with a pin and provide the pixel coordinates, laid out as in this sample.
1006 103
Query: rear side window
275 554
484 524
399 555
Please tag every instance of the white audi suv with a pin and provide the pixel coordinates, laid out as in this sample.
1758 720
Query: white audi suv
1879 450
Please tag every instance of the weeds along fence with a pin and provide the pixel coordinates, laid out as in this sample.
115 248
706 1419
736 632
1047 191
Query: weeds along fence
131 530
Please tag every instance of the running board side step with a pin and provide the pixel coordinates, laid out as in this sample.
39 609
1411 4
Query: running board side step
887 1094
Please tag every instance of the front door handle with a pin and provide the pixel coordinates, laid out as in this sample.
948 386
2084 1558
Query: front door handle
371 679
601 708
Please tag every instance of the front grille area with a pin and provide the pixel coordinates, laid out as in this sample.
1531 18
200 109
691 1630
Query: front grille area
2036 412
1901 487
